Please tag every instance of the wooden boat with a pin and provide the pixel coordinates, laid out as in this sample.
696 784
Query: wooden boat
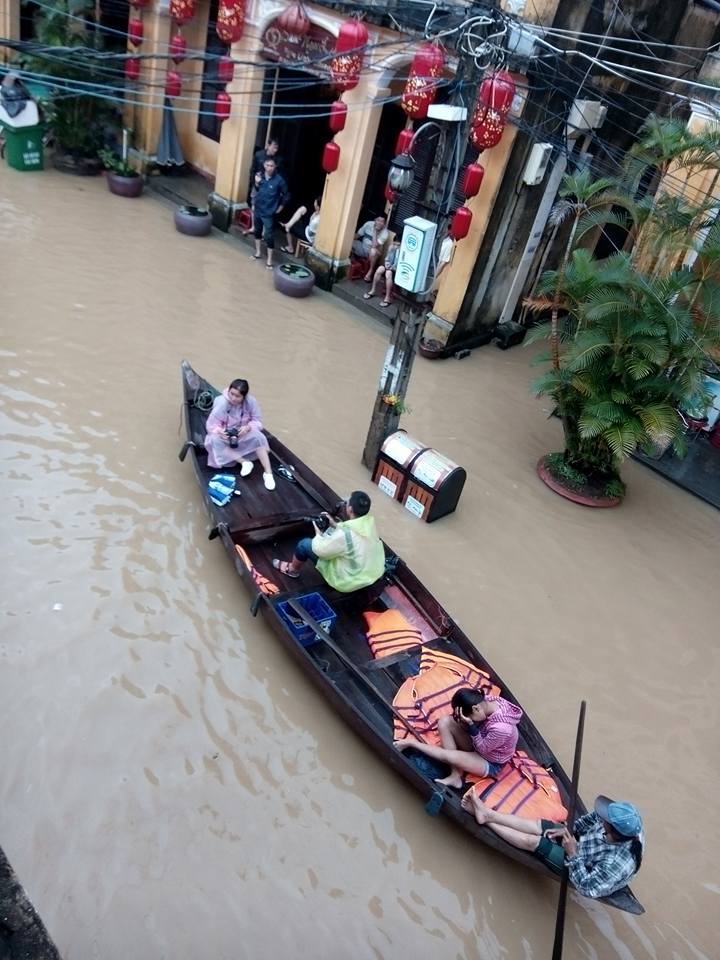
266 524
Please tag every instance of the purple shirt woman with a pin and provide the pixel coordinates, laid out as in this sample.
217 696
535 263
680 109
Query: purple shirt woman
235 435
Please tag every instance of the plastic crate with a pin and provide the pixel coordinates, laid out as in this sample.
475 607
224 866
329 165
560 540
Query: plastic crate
317 608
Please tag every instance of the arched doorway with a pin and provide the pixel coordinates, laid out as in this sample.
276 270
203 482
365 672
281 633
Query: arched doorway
296 104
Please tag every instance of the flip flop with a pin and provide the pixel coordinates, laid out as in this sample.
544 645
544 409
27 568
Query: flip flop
288 250
256 256
284 567
368 296
269 266
384 303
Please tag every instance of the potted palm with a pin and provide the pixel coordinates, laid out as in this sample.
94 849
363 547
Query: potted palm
628 335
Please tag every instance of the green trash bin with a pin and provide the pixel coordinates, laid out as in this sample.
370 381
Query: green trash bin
24 147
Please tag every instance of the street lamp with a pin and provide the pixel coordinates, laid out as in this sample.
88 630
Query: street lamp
402 173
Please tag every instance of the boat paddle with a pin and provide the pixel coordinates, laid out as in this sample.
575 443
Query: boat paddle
562 899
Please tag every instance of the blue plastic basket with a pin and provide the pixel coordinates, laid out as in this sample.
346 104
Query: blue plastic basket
317 608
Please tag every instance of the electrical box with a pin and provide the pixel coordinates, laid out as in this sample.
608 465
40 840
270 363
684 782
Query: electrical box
537 164
416 247
585 115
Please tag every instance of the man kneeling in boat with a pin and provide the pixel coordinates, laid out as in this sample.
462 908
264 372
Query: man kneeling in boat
349 554
602 854
479 737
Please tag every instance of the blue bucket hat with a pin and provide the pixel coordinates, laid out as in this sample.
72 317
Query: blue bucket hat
622 817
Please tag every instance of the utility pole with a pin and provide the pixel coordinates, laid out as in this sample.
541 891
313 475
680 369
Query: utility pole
394 378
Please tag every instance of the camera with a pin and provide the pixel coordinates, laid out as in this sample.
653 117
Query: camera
232 436
321 522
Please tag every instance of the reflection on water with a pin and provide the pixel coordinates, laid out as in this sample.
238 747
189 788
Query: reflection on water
173 786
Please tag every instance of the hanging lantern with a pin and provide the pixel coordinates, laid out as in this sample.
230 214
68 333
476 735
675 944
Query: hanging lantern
139 4
225 69
132 69
223 105
182 11
294 20
404 141
421 85
338 116
135 31
487 128
173 84
347 63
389 193
230 22
460 224
330 157
497 92
472 181
178 48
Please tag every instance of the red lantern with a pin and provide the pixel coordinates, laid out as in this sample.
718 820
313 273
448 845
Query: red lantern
178 48
139 4
421 85
173 84
223 105
132 69
404 141
182 11
487 128
460 224
389 193
230 22
338 116
473 179
345 67
225 70
330 157
135 32
497 92
294 20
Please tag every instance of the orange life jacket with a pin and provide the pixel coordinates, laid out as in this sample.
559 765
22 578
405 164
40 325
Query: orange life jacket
390 632
423 699
266 586
524 788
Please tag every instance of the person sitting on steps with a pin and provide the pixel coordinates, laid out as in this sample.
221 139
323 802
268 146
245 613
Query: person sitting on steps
349 554
369 242
602 853
479 737
386 272
301 227
235 435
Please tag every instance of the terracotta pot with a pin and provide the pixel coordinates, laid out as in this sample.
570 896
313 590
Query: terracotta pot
193 221
124 186
293 281
575 496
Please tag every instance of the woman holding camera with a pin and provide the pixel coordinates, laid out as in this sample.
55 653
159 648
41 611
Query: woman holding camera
234 433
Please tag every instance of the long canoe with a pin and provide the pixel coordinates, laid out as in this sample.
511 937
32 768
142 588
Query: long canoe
266 524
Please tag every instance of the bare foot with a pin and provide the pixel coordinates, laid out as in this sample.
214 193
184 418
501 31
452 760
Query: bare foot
473 804
405 744
454 780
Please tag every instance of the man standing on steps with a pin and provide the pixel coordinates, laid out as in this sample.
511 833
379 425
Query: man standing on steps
270 198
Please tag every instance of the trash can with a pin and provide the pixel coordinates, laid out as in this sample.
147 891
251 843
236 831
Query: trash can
433 487
24 147
397 455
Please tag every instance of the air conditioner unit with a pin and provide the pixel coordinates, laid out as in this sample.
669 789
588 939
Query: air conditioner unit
537 164
414 255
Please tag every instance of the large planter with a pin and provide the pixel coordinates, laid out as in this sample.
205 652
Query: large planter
587 497
78 166
293 280
124 186
193 221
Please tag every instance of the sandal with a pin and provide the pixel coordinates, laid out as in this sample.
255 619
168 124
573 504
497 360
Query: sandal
288 250
256 256
269 266
384 303
368 296
284 567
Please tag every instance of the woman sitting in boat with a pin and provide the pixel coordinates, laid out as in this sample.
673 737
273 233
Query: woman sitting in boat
234 433
479 737
349 554
603 852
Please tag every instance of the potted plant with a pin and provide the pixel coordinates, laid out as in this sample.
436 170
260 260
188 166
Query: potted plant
293 279
73 105
122 179
628 335
193 221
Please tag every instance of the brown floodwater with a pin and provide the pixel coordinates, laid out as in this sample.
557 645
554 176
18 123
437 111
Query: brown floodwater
172 786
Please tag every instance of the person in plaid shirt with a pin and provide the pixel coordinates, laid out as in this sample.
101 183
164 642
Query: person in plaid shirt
603 852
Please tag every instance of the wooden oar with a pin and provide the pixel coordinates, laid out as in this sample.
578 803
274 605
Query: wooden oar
562 899
343 657
262 523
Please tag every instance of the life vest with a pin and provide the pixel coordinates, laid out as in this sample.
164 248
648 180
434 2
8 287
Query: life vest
423 699
264 585
523 788
390 632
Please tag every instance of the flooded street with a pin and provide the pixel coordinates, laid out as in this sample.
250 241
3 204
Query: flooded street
173 787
